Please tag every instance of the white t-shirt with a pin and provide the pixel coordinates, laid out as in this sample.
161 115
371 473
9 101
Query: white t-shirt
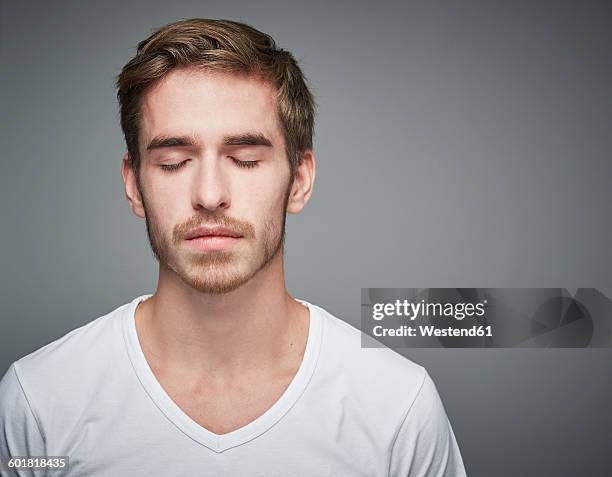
349 411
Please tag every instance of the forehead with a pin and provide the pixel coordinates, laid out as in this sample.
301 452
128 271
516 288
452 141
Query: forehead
210 105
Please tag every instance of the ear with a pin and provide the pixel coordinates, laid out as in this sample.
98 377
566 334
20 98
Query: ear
131 187
301 190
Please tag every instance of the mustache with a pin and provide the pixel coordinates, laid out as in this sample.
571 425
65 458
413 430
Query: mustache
240 227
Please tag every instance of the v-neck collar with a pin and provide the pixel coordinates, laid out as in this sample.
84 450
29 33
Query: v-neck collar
222 442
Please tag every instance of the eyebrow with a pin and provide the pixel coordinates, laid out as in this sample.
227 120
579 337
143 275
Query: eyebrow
246 139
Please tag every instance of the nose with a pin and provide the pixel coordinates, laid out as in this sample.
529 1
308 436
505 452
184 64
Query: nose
210 188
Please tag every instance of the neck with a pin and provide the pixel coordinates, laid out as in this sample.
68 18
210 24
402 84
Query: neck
192 334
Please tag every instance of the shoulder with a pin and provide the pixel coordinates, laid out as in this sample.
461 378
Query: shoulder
49 387
355 350
390 396
379 378
70 367
75 351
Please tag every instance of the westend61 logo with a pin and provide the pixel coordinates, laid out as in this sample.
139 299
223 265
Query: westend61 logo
413 310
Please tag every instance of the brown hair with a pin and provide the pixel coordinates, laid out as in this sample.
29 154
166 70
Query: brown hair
217 45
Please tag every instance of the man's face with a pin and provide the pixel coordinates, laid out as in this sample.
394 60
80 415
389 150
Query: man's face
232 172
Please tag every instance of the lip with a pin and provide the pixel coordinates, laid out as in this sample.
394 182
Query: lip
205 232
213 242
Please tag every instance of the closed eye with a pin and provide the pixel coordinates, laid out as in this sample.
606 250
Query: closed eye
173 167
178 165
246 164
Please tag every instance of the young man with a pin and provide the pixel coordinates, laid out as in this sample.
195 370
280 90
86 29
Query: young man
220 371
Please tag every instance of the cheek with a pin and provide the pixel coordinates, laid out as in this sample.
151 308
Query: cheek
167 193
162 204
272 188
266 200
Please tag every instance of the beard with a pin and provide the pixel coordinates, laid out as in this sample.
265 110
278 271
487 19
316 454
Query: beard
217 272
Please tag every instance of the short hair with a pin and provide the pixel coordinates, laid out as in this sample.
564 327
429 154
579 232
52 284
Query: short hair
217 45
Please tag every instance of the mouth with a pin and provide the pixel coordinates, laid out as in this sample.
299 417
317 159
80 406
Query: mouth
211 232
213 242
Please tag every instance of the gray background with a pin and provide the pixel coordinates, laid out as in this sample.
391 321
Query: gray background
459 144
